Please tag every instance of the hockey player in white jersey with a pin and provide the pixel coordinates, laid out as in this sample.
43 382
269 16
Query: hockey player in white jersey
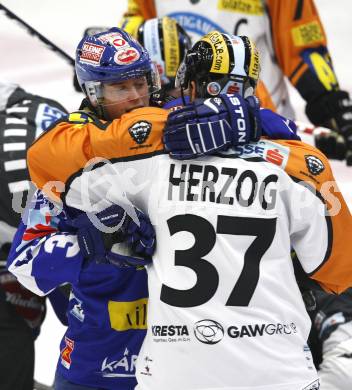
222 291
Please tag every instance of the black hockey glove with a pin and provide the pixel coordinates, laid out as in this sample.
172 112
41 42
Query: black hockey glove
214 124
333 110
97 245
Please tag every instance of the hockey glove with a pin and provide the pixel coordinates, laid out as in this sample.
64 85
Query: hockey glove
333 110
208 125
96 245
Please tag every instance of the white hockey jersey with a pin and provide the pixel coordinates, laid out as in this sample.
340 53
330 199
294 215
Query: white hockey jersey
225 311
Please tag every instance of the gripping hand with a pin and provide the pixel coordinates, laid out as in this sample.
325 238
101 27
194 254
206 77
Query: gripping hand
208 125
333 110
98 233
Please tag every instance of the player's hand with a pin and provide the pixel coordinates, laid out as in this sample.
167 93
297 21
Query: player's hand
96 244
332 144
333 110
208 125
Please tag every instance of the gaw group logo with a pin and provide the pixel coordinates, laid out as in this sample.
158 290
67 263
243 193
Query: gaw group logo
208 331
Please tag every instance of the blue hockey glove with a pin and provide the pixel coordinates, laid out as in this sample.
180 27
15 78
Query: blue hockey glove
96 245
208 125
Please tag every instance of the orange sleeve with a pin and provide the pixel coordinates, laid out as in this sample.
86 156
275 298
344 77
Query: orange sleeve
306 163
264 97
144 8
65 149
300 46
295 26
137 12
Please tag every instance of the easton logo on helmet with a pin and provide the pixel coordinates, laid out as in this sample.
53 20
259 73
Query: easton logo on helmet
140 131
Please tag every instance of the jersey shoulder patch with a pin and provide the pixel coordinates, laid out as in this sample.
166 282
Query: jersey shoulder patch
81 117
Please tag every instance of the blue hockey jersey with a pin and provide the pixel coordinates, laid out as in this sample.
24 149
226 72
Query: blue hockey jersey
107 308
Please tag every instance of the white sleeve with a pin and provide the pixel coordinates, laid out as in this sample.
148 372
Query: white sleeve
310 229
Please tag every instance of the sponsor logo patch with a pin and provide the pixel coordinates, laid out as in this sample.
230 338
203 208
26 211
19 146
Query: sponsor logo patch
126 56
208 331
255 330
214 88
91 53
170 333
146 370
314 164
124 366
128 315
77 310
269 151
140 131
115 39
66 353
221 59
233 87
171 52
307 34
250 7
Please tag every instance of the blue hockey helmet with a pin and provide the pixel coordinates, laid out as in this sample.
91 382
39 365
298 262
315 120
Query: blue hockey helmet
112 56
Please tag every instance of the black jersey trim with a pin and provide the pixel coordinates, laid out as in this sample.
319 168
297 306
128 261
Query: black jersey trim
299 10
297 68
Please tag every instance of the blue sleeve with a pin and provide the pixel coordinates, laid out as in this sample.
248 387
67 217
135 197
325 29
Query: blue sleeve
276 126
42 257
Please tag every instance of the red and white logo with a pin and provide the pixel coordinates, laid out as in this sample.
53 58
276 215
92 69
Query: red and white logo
91 53
109 37
119 42
274 156
114 39
275 153
66 353
233 88
126 56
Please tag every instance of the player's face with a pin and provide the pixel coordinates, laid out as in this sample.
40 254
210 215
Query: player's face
125 96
